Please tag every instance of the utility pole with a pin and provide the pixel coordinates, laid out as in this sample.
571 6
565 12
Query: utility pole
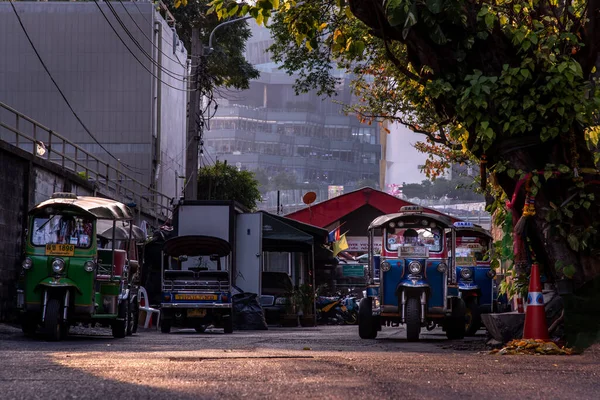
193 134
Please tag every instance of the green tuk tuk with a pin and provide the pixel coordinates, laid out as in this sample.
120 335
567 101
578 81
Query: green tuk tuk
72 272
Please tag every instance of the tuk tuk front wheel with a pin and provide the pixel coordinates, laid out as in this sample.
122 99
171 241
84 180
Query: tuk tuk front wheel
367 328
119 326
52 323
472 318
413 319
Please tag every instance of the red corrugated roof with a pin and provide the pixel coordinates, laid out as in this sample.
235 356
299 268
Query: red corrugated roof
327 212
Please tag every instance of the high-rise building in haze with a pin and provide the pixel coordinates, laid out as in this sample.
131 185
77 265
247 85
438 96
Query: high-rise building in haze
268 127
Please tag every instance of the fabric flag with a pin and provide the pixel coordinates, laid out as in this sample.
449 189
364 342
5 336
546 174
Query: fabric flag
340 245
334 235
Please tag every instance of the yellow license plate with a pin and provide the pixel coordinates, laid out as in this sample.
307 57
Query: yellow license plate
196 313
195 297
60 249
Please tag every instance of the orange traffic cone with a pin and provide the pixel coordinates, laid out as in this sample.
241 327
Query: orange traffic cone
535 313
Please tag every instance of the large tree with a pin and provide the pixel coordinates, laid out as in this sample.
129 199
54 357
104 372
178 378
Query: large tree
510 84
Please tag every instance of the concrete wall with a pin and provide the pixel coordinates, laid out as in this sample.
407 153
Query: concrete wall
113 94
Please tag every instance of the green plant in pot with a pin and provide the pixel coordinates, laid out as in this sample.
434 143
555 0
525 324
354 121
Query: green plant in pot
290 318
306 300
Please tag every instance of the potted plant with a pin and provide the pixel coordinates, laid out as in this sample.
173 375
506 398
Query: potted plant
306 302
290 318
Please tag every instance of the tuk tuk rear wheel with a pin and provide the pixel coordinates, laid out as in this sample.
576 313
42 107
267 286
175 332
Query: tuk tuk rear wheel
130 319
455 324
136 316
28 325
52 323
472 318
119 326
413 319
367 328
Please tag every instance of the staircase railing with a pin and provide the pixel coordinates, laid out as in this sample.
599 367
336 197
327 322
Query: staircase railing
33 137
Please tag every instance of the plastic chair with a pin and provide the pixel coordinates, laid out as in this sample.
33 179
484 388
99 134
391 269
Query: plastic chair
145 306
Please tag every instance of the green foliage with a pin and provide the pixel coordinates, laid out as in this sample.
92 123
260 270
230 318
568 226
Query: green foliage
509 83
226 66
225 182
459 188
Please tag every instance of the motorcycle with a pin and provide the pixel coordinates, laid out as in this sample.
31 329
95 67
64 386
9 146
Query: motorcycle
337 310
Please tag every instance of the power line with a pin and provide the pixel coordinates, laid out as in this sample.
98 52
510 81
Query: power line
61 92
167 71
134 56
172 74
144 33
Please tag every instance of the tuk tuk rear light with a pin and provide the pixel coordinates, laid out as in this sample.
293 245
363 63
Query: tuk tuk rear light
89 266
491 273
224 297
415 267
466 273
58 265
27 263
167 297
442 267
385 266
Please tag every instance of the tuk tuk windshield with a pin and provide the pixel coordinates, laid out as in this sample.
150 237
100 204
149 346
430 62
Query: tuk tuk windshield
418 236
469 250
62 229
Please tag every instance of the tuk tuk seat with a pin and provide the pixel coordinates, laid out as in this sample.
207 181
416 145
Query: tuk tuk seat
104 261
178 275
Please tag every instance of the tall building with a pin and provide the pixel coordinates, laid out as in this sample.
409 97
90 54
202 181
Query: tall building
132 99
268 127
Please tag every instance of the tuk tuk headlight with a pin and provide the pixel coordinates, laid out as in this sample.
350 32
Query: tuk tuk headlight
27 263
385 266
466 273
58 265
491 273
442 267
89 266
414 267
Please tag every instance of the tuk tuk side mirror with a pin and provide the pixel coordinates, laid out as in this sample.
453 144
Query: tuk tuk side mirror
183 258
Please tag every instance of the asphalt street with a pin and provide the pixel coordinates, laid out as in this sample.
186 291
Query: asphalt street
328 362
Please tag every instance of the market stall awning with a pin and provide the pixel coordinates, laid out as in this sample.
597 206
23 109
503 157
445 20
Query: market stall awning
280 236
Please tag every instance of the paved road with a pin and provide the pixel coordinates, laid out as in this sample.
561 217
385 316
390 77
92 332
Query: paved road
315 363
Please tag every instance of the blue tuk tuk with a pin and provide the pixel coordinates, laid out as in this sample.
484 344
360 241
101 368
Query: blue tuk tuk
475 277
416 286
196 293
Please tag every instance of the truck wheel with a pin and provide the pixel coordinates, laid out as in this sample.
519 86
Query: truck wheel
119 326
367 328
472 318
455 324
413 319
52 324
165 325
228 324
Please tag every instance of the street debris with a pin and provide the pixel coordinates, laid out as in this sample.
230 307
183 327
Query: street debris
532 347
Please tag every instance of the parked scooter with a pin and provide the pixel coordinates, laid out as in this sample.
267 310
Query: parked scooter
337 310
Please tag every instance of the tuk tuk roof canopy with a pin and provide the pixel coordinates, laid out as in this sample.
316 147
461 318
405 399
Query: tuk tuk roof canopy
97 207
196 245
385 219
475 229
104 228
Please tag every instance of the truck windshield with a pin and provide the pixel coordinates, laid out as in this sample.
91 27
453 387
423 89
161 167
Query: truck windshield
62 229
401 237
